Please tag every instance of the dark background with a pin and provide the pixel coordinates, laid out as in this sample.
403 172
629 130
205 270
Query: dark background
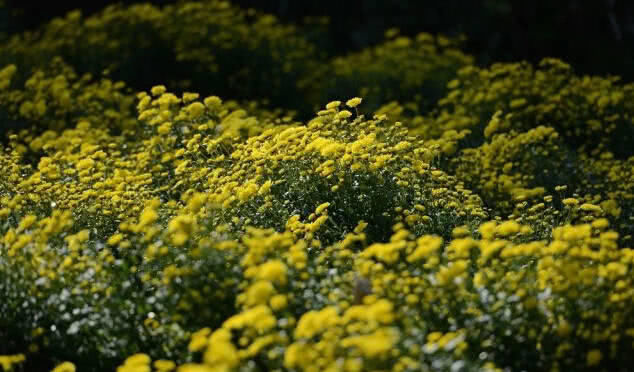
595 36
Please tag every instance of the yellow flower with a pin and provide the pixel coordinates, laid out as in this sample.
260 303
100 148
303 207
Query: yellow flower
65 367
27 222
195 110
212 101
259 293
115 239
164 128
5 76
278 302
294 355
344 114
7 361
425 247
600 223
354 102
199 339
148 217
191 367
260 318
221 352
460 232
321 208
375 344
188 97
594 357
460 248
158 90
273 271
162 365
314 322
139 359
85 164
333 105
590 207
196 202
564 329
508 228
518 102
247 191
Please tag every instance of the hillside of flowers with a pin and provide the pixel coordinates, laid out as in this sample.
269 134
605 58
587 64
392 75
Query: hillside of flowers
198 187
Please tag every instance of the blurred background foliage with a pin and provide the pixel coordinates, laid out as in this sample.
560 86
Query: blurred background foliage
594 36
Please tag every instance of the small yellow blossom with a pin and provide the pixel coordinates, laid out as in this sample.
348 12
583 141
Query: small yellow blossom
333 105
85 164
273 271
212 101
162 365
354 102
344 114
158 90
594 357
65 367
321 208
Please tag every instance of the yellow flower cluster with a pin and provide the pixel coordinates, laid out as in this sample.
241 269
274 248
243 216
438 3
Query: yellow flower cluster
422 65
226 46
472 219
9 361
55 96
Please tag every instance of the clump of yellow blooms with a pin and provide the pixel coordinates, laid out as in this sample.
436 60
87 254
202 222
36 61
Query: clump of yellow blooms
422 65
244 51
461 219
7 362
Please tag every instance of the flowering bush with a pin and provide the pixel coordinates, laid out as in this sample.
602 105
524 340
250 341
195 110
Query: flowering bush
453 218
242 53
403 69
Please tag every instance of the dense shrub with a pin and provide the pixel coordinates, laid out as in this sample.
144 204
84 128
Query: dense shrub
401 69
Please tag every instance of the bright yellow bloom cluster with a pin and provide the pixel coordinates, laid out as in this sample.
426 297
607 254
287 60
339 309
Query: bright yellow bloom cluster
9 361
480 220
